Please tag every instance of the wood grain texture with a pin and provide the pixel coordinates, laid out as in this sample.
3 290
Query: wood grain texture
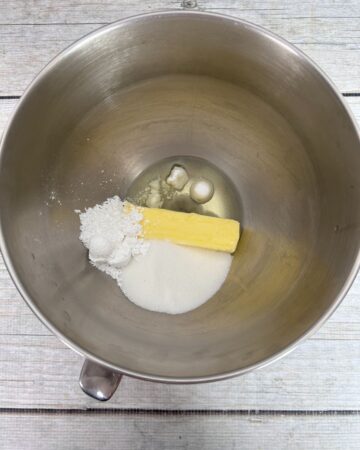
7 106
104 11
38 371
162 432
354 104
32 33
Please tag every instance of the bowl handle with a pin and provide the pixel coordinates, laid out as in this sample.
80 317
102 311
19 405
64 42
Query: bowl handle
97 381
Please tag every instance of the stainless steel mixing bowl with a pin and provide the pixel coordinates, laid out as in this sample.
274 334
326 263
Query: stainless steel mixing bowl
170 84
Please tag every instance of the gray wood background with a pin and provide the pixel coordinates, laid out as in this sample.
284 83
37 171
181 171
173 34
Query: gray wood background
309 400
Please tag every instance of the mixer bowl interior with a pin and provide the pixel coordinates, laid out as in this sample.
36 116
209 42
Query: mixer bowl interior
162 86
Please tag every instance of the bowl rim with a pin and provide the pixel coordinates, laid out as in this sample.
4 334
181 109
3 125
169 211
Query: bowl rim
22 288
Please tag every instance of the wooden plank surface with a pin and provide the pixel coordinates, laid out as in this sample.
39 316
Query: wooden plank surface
188 431
264 409
105 11
39 372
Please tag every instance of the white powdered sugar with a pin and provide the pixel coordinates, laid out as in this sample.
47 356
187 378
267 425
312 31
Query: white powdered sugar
112 235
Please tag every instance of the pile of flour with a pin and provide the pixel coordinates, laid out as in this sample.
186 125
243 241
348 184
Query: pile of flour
156 275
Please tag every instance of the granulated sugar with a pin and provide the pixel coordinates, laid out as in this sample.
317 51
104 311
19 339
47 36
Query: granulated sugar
174 279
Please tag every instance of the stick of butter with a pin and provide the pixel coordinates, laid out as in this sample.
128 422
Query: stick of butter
190 229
